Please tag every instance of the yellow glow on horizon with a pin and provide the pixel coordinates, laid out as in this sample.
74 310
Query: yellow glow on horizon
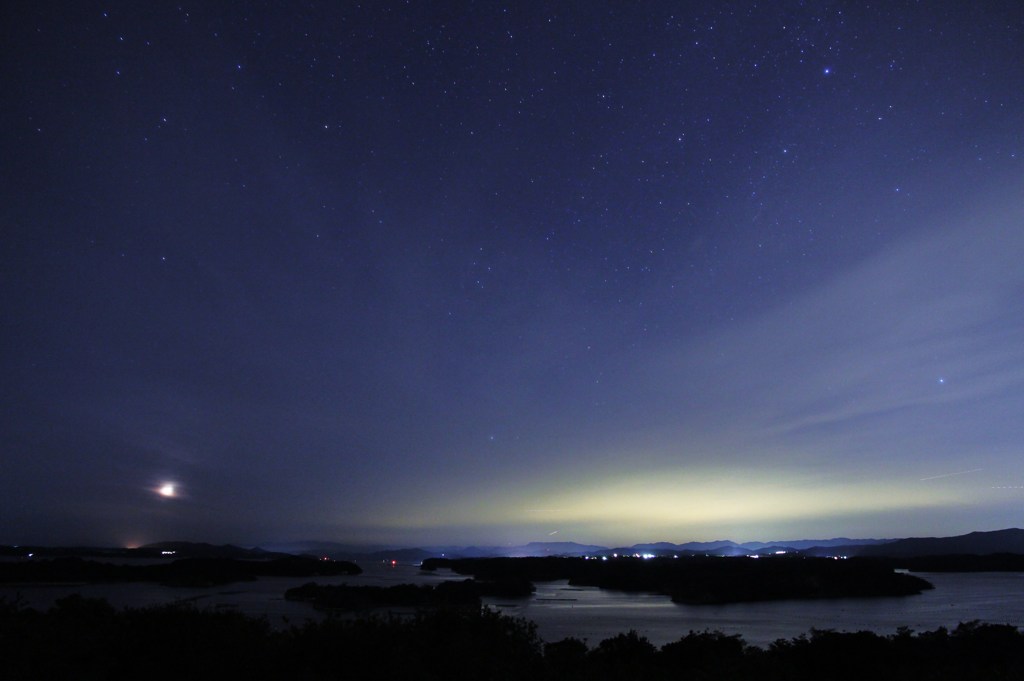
677 500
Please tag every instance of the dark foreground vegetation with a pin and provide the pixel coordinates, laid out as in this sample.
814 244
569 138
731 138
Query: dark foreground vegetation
700 580
192 572
81 638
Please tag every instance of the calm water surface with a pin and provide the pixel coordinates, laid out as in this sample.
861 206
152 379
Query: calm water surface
595 615
592 614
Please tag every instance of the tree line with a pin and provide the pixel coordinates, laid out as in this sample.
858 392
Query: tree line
84 638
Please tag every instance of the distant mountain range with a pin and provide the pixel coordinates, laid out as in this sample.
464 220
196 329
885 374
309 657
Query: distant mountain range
975 543
1009 541
536 549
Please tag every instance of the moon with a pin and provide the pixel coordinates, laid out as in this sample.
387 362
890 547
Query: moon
166 490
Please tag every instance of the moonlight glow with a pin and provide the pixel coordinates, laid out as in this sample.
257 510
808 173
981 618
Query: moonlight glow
389 273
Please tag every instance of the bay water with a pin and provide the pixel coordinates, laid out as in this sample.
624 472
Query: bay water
592 614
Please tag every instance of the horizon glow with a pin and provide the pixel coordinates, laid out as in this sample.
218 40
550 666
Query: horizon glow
410 278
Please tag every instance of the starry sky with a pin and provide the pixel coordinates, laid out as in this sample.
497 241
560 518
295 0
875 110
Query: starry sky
485 272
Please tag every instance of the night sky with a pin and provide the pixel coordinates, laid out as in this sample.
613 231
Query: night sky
481 272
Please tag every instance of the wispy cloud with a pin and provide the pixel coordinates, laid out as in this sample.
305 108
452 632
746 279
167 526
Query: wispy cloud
922 343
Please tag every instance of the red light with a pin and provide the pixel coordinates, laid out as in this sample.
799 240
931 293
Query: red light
394 563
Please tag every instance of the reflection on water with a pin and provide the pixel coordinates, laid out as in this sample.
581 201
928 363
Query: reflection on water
595 615
263 597
589 613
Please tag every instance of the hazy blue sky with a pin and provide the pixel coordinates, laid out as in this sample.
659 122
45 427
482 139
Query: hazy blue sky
493 272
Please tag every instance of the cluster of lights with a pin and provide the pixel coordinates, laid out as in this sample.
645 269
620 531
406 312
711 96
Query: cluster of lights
642 556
